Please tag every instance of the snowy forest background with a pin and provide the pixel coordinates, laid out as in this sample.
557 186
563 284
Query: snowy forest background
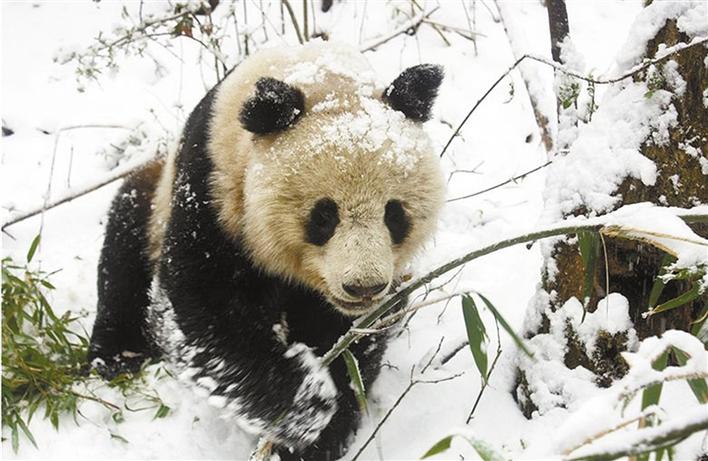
581 140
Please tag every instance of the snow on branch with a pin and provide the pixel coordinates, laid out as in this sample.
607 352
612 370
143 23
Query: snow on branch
588 436
612 222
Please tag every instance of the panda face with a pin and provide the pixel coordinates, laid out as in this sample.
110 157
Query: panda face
329 179
342 219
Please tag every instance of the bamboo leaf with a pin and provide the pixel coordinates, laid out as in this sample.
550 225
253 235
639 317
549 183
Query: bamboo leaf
698 386
118 437
15 437
476 334
678 301
440 446
651 394
519 342
33 248
485 451
658 286
355 377
26 430
698 323
588 243
162 411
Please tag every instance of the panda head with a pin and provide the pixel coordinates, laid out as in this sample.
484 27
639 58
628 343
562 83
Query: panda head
340 185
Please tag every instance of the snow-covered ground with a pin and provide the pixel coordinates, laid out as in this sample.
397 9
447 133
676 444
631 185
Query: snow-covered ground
66 139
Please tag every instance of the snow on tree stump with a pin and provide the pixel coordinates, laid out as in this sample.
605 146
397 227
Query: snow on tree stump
647 142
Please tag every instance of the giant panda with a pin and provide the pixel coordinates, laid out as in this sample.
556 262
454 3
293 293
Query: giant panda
299 193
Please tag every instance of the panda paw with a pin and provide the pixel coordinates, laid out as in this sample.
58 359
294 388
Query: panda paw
314 404
110 367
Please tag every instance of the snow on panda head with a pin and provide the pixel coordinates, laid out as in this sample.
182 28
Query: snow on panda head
329 178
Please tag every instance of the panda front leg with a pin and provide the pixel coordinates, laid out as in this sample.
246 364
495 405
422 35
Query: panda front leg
336 438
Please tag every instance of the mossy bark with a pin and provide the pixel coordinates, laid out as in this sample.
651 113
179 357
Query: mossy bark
632 268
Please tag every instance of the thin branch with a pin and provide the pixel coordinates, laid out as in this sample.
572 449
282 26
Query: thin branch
675 51
412 24
562 228
434 26
485 382
293 18
484 386
650 439
122 173
411 385
449 356
504 183
598 435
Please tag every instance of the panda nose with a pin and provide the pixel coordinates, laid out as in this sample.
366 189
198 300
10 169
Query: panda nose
362 291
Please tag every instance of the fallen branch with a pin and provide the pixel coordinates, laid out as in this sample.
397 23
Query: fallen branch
640 68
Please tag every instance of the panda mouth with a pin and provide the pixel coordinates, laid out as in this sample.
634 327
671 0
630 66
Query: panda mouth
351 307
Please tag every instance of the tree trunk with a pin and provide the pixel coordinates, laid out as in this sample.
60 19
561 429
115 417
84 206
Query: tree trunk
632 268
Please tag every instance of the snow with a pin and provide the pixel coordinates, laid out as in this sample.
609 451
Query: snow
146 101
644 221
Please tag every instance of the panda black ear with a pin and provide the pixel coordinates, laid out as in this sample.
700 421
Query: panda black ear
274 107
414 91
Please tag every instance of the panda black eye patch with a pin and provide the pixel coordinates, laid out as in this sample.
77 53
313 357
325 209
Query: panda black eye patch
397 222
323 220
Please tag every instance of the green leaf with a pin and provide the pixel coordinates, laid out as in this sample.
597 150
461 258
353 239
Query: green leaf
700 320
15 438
678 301
589 244
658 286
485 450
26 430
651 394
162 411
118 437
33 248
440 446
476 334
698 386
355 377
519 342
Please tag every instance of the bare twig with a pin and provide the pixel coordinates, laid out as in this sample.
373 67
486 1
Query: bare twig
484 386
636 70
121 173
485 381
293 18
514 179
411 385
412 24
434 26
